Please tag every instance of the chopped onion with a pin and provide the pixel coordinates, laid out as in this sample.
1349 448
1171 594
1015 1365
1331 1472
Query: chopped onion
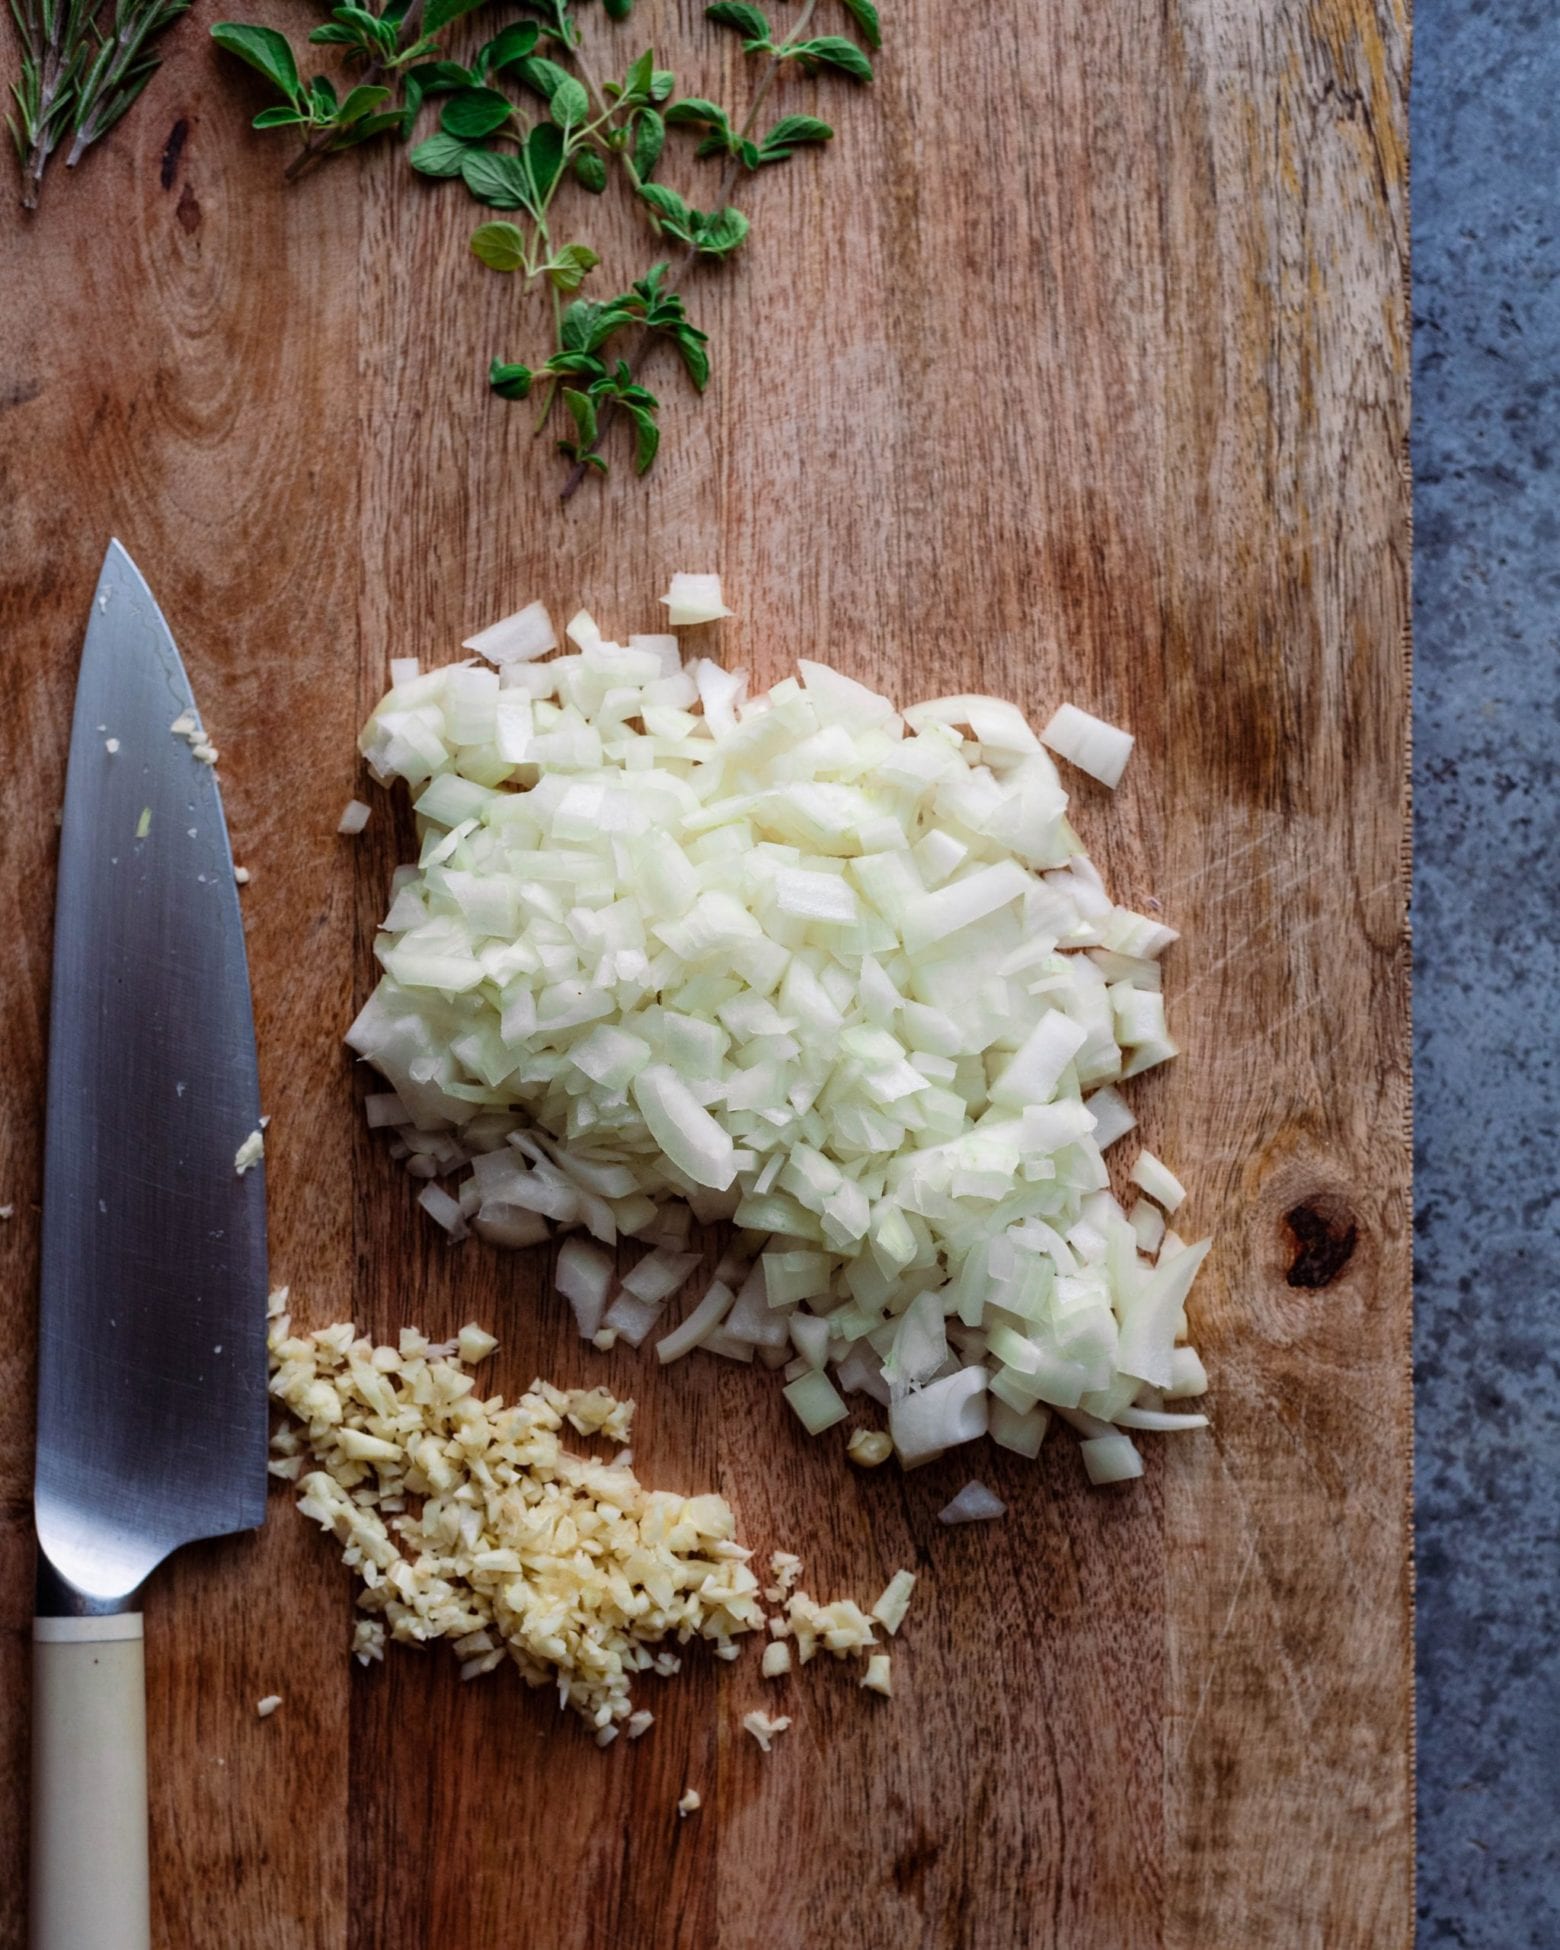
1188 1377
443 1210
518 639
1158 1181
1112 1115
698 1326
584 1277
688 1136
816 1402
1148 1225
810 1337
835 975
973 1504
1110 1458
1157 1420
929 1420
1095 747
631 1320
1019 1429
354 817
658 1275
1148 1328
694 599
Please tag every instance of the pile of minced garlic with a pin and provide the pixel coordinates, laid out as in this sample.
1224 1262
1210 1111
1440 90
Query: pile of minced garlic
466 1518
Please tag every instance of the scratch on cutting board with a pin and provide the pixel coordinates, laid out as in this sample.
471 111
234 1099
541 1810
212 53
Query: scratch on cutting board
1224 1631
1219 861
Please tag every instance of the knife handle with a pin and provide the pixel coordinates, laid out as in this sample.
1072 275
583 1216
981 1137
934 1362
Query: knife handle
90 1880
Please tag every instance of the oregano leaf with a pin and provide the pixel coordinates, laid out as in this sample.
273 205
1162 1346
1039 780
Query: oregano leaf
590 170
720 232
649 140
512 46
495 179
792 129
865 16
440 155
647 435
266 51
834 51
696 110
499 245
509 381
694 351
569 266
570 105
582 410
439 13
475 112
544 158
748 20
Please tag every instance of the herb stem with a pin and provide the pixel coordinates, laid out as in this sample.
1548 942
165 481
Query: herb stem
689 257
321 139
552 391
53 49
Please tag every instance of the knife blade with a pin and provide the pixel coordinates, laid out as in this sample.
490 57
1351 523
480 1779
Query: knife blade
152 1366
151 1358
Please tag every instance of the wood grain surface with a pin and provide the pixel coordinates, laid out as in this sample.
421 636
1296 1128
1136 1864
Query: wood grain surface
1078 368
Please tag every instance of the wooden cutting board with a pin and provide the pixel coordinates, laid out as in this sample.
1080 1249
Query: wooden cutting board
1078 368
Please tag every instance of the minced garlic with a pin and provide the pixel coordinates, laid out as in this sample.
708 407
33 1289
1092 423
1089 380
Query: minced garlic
890 1609
776 1660
691 1802
878 1677
267 1706
467 1519
868 1448
764 1729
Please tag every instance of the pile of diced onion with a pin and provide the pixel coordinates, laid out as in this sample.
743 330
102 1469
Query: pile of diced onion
837 974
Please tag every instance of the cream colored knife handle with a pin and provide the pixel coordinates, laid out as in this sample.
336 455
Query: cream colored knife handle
90 1884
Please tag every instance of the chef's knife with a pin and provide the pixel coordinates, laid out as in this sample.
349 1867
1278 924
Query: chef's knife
151 1364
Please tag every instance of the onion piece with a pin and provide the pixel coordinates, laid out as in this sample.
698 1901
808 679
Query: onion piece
516 639
693 599
631 1320
354 817
929 1420
658 1275
1158 1181
1110 1459
816 1402
698 1326
443 1210
1157 1420
584 1277
973 1504
1148 1329
683 1128
1112 1114
1095 747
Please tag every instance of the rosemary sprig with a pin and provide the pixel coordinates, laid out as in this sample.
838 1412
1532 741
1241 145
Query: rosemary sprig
80 73
530 116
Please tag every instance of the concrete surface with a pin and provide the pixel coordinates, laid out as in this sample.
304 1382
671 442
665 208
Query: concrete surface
1486 208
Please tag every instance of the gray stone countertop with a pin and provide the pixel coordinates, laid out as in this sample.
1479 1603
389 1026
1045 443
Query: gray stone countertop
1486 208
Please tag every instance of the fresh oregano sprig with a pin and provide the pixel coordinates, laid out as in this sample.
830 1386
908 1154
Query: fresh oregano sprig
529 117
83 66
